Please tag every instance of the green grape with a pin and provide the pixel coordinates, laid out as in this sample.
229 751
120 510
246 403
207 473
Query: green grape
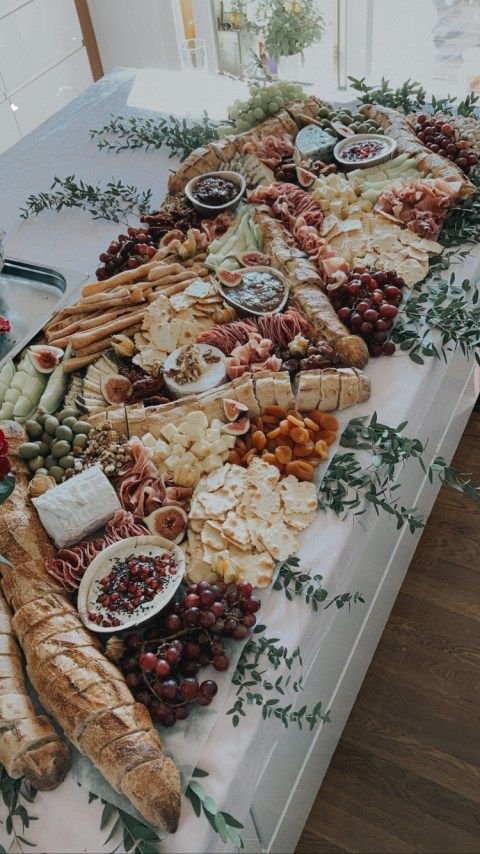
274 92
242 125
234 113
254 89
258 100
259 115
299 91
272 107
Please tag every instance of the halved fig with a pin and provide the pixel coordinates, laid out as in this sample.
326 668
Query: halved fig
304 177
237 428
233 409
45 358
253 259
173 234
229 278
116 388
168 522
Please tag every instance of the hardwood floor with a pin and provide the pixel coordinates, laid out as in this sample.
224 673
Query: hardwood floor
406 773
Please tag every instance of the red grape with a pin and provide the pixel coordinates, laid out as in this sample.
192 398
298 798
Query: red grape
388 348
220 662
387 310
171 655
189 689
344 314
191 600
169 689
181 712
148 661
253 605
208 688
132 680
162 668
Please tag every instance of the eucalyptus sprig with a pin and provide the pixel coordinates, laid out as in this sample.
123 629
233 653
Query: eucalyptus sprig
222 822
134 132
255 683
295 583
137 837
452 308
462 223
13 793
408 97
115 202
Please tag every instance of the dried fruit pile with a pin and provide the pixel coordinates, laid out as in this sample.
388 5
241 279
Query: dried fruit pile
292 442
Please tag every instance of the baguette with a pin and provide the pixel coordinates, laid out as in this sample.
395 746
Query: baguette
29 745
73 680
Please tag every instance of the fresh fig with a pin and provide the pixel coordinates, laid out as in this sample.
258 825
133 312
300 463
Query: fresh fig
116 389
45 358
304 177
173 234
253 259
233 409
237 428
168 522
229 278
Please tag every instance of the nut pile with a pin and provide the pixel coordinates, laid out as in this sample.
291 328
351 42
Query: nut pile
106 448
293 443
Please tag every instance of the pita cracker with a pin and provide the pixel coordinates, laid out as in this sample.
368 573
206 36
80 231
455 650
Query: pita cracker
257 569
212 537
298 495
216 504
299 521
278 539
236 530
216 479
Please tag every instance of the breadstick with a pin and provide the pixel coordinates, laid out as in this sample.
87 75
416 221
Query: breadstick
123 278
117 292
164 270
78 362
90 323
106 329
104 343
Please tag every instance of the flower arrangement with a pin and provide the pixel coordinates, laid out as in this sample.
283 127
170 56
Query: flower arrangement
286 28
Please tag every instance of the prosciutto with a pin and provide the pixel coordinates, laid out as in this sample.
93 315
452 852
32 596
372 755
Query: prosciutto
272 149
278 328
142 490
254 355
421 205
69 565
288 202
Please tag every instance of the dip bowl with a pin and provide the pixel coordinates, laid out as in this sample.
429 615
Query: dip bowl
102 564
388 150
228 293
201 207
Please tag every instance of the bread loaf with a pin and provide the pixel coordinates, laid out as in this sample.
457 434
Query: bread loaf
29 745
73 679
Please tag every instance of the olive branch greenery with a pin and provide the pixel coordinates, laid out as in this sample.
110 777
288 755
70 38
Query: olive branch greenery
134 132
255 682
410 96
453 309
14 791
222 822
295 583
349 486
115 202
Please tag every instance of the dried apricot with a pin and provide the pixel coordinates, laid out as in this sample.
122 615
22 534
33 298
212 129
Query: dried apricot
283 454
311 425
295 414
302 470
328 436
241 446
259 440
278 411
321 449
235 457
269 458
297 422
247 458
313 435
274 433
284 427
299 435
303 450
324 419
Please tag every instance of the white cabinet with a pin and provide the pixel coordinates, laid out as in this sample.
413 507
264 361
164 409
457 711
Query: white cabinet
9 132
43 63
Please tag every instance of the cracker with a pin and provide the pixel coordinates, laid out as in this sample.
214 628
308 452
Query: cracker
278 539
236 530
299 521
298 496
257 569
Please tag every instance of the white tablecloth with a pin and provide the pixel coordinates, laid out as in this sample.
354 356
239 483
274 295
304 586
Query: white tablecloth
401 391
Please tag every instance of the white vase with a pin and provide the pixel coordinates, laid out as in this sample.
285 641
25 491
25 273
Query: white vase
289 67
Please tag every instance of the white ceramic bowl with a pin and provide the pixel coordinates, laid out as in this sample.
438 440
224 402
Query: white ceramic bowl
235 177
382 157
228 294
102 564
213 378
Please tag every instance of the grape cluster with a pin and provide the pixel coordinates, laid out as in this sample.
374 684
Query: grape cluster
367 303
442 138
264 101
161 668
128 251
